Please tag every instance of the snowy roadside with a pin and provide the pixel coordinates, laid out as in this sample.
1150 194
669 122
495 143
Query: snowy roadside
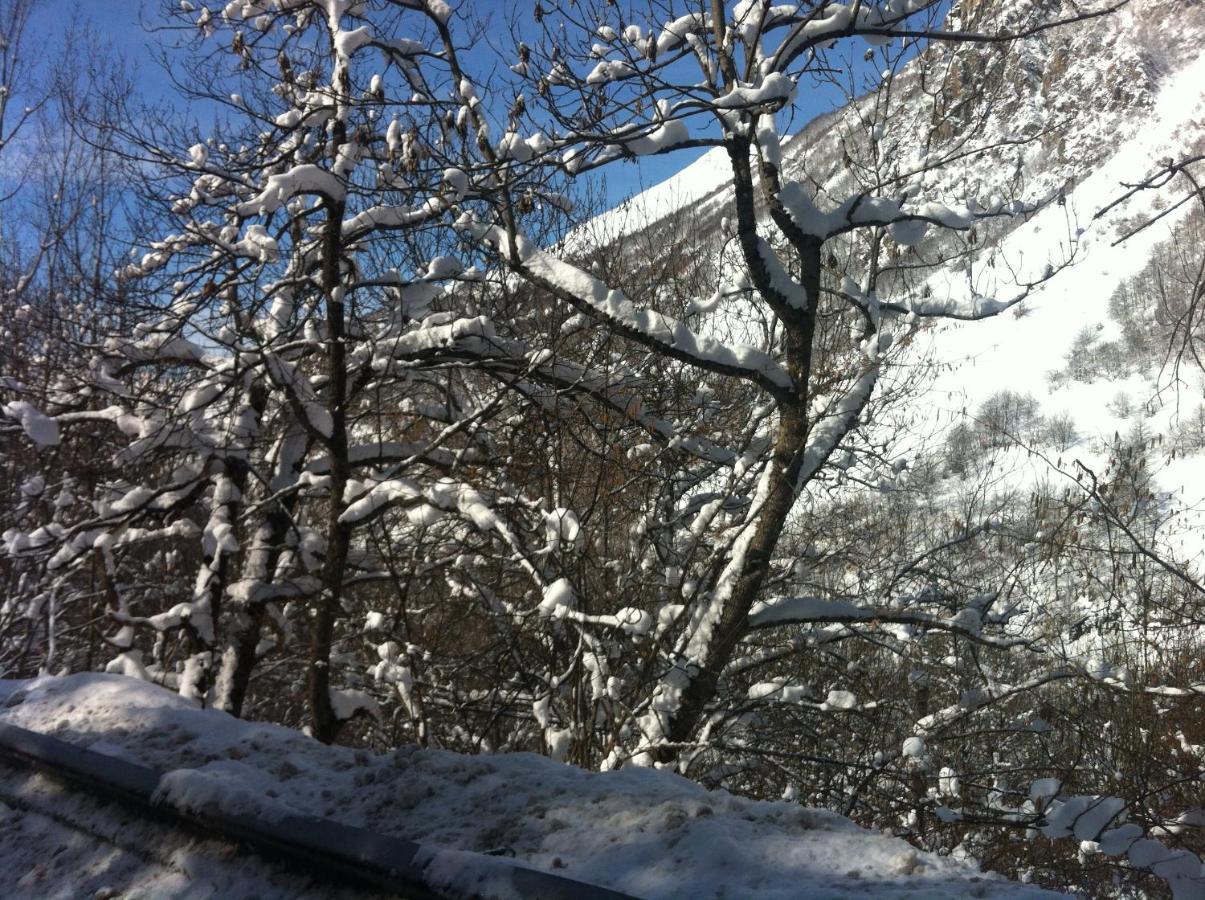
648 833
59 843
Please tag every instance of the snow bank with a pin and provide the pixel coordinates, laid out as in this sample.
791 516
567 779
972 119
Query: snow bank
648 833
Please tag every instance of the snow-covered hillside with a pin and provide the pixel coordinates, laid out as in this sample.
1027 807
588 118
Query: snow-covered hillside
1020 352
647 833
1079 113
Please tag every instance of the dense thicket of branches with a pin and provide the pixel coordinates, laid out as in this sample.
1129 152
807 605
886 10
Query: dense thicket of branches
377 436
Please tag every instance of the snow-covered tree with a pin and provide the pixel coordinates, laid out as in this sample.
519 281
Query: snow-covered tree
397 425
795 262
295 336
62 216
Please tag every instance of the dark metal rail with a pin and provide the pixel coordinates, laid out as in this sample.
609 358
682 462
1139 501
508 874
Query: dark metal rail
335 851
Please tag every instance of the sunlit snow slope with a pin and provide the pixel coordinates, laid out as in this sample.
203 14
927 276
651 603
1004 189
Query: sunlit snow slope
1104 104
1019 350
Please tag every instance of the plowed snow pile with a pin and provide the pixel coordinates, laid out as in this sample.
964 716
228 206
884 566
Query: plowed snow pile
649 833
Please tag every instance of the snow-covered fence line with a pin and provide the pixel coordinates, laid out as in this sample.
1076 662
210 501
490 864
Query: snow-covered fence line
332 849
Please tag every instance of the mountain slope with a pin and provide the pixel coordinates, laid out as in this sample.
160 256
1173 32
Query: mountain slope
1020 352
1075 113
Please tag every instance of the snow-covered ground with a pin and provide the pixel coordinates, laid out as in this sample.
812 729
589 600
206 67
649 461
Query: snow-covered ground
59 844
1017 351
644 832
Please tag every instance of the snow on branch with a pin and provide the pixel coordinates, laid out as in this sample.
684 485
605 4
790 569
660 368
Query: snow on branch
814 610
835 423
653 329
394 217
775 89
906 228
38 427
880 23
279 189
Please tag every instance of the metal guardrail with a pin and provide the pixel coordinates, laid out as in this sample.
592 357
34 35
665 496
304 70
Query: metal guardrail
338 852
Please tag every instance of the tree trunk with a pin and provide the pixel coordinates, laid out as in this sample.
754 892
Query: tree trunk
790 443
324 723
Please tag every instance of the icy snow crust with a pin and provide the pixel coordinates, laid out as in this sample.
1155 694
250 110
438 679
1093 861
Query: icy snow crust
645 832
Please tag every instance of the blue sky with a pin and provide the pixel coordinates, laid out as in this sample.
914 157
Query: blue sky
120 23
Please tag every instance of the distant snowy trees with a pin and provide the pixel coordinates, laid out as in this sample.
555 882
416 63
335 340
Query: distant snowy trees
388 443
61 206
